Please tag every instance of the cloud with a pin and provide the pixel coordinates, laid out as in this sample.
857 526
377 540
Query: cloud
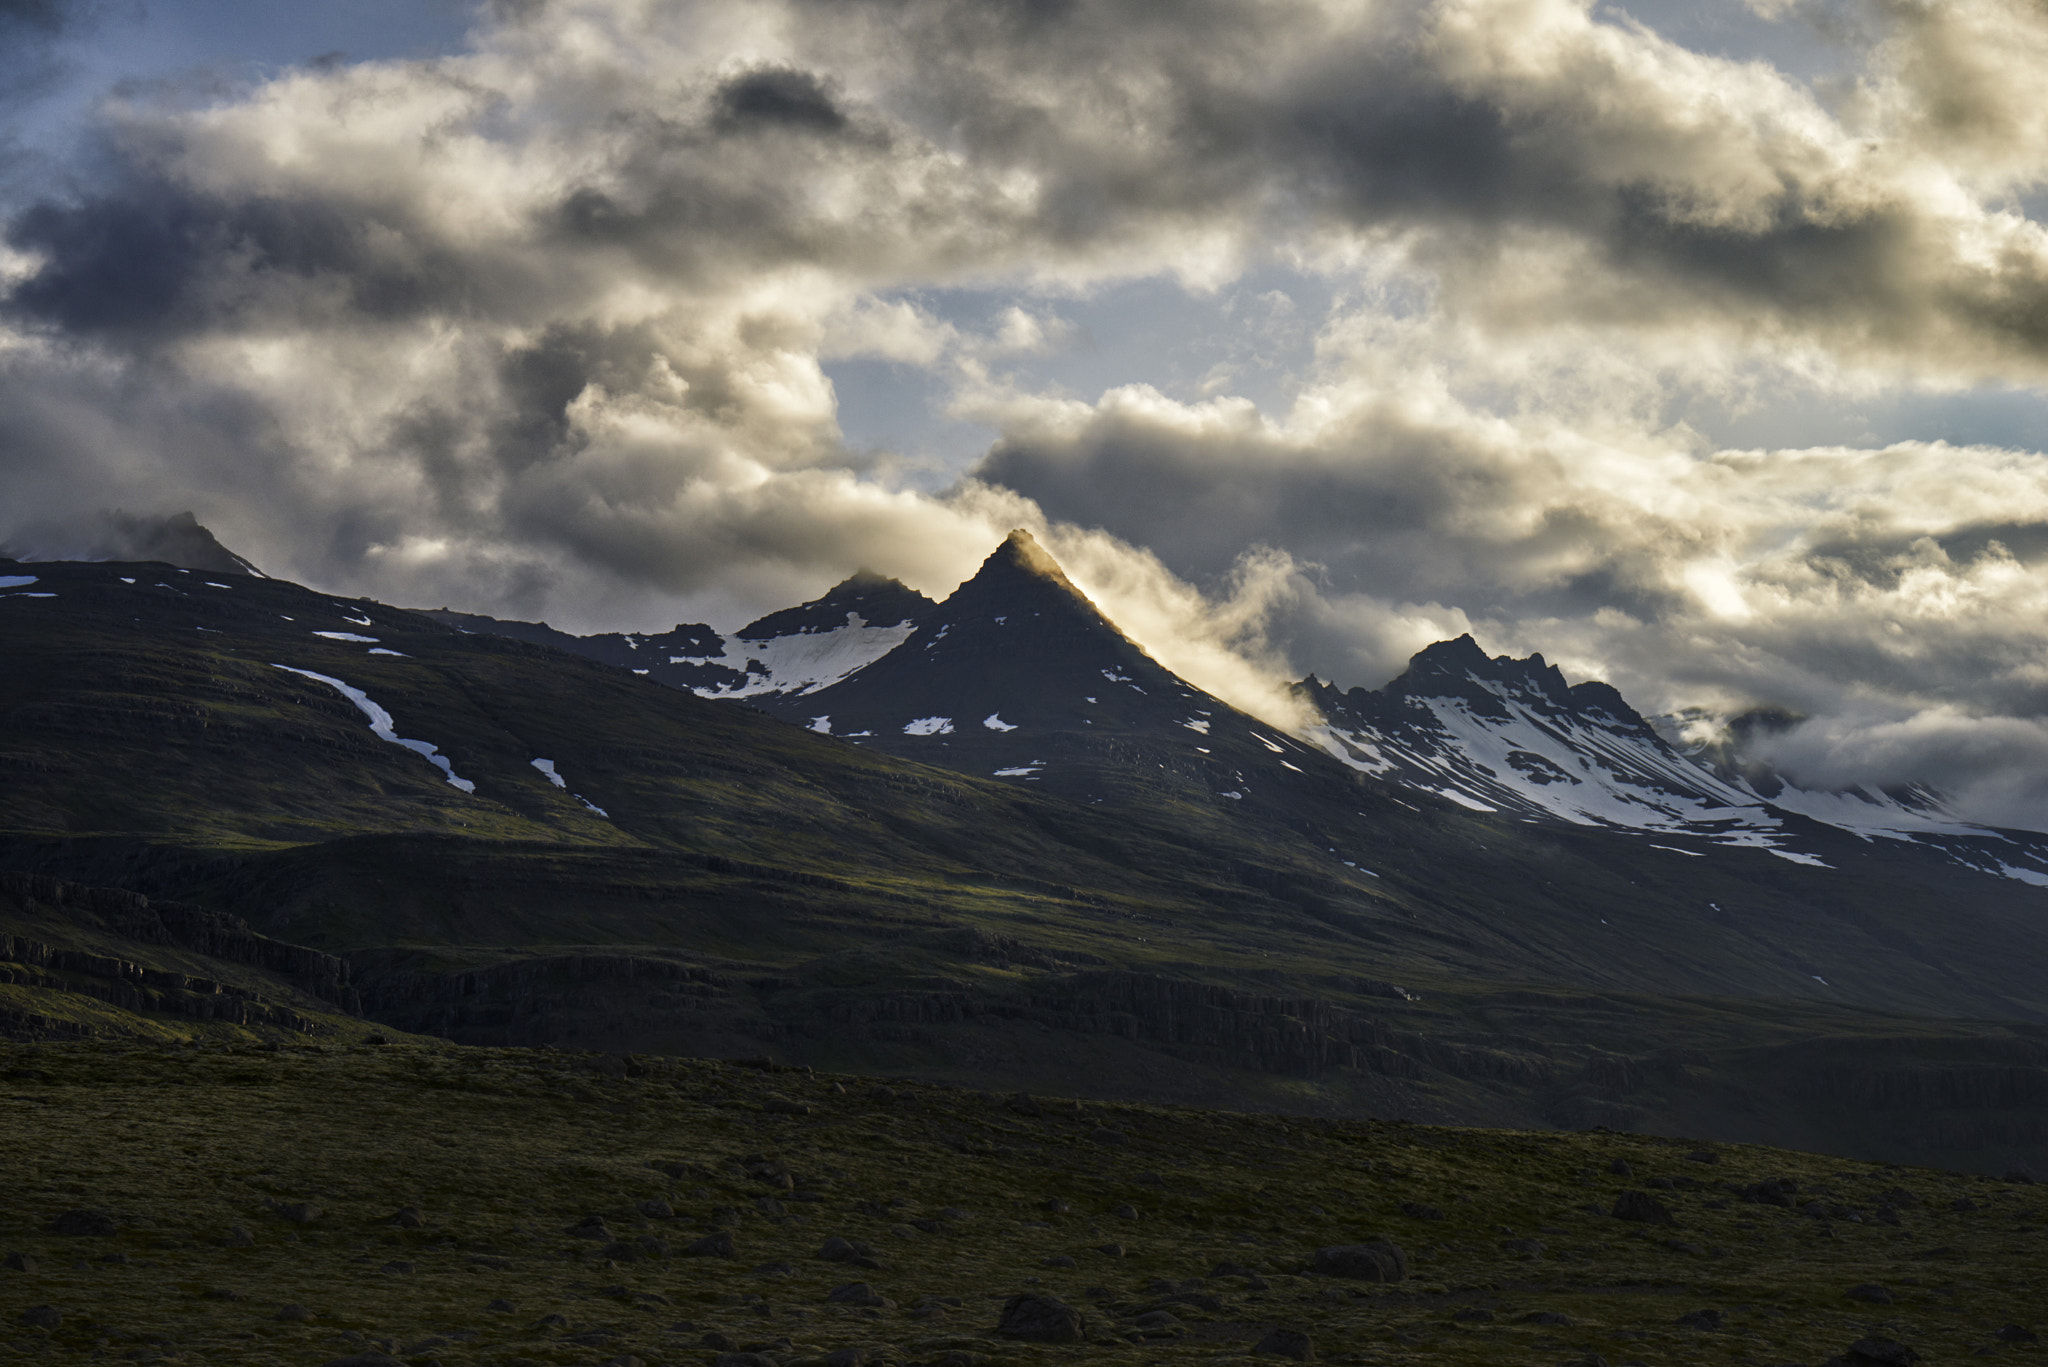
545 327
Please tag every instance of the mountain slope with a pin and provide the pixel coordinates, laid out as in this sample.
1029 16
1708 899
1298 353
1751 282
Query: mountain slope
703 878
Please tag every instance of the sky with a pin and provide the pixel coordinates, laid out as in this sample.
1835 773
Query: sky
1699 346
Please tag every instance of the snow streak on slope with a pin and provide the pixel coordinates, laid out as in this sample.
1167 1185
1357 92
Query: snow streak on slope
382 725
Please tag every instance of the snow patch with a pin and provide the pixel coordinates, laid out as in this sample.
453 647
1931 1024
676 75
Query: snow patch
1198 727
929 726
822 725
1696 854
52 595
1454 795
1811 861
994 720
380 650
1234 797
347 636
1021 771
21 581
383 727
2033 876
547 766
803 662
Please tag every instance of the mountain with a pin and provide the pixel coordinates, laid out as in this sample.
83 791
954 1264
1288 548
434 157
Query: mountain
785 654
1509 736
1018 676
503 843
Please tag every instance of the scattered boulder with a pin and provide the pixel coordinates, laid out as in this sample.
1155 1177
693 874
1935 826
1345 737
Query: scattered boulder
397 1268
839 1249
1962 1205
1370 1262
1870 1292
1642 1208
238 1236
2016 1333
1059 1260
718 1245
590 1227
882 1094
776 1104
1054 1205
657 1210
299 1212
1474 1315
84 1224
1878 1352
1023 1104
745 1360
1041 1319
1701 1319
42 1317
1110 1250
1108 1137
1550 1317
1416 1210
847 1357
368 1358
1528 1248
405 1217
1703 1156
1125 1212
293 1314
1286 1343
1620 1168
20 1262
501 1306
1777 1192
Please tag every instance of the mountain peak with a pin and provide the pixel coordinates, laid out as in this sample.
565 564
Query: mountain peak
875 599
1020 550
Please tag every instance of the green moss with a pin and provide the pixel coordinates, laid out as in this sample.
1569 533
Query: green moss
503 1151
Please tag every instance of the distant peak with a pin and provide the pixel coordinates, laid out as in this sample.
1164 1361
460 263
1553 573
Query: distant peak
1464 652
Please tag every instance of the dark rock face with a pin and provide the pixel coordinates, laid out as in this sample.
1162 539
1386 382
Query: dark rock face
1373 1262
1642 1208
1042 1319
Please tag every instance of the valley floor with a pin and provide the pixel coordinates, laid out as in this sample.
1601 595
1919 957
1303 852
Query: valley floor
417 1202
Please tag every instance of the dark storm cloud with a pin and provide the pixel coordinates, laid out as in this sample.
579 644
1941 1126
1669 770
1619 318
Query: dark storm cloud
152 259
779 96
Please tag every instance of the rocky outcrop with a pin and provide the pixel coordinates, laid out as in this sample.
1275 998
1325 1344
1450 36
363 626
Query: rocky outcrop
27 960
211 933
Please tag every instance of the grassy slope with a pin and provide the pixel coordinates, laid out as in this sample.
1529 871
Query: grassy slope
502 1151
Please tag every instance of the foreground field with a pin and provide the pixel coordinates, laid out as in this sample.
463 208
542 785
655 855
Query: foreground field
470 1206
